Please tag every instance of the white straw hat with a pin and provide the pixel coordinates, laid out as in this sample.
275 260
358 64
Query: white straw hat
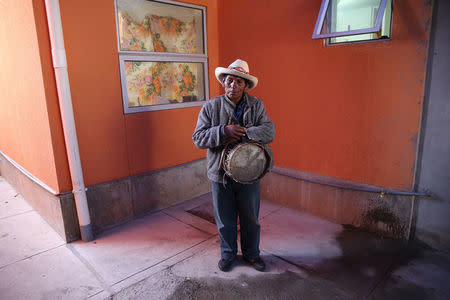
237 68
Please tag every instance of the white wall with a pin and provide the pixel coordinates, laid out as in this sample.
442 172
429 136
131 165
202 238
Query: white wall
433 214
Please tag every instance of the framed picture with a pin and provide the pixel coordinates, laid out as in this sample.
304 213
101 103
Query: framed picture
162 54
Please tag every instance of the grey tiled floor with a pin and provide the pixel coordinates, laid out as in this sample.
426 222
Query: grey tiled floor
173 254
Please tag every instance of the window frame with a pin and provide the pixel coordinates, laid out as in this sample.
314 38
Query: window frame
147 56
321 18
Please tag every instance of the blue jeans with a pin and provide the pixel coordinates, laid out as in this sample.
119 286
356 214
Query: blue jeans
230 201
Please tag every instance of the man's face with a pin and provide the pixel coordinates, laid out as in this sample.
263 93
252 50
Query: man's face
234 87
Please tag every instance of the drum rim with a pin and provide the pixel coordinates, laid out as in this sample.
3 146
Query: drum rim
235 147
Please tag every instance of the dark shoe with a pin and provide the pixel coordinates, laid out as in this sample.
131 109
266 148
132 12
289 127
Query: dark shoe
257 263
225 264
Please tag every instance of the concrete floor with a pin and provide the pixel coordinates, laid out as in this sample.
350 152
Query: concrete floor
173 254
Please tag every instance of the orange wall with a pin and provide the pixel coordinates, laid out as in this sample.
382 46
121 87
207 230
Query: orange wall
114 145
348 111
28 95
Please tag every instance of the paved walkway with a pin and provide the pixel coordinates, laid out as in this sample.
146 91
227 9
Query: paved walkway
173 254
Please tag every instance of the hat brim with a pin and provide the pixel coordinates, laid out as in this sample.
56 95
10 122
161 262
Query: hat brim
253 81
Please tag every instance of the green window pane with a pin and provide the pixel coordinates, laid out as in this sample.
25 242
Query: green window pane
347 15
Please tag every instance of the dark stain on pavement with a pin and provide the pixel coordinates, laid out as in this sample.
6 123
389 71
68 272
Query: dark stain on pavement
287 285
368 262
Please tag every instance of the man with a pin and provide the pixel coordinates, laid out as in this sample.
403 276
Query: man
213 131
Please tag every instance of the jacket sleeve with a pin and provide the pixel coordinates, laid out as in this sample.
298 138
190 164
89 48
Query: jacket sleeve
206 135
264 129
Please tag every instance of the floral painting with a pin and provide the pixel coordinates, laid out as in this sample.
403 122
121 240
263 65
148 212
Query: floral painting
152 83
157 34
163 60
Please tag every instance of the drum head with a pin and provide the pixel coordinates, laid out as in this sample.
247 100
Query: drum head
247 162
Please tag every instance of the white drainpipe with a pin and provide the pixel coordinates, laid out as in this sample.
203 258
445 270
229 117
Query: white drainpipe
68 120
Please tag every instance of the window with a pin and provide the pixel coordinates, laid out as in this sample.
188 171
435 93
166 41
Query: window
342 21
162 54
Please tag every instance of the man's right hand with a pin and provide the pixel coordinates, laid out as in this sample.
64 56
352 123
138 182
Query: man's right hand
235 132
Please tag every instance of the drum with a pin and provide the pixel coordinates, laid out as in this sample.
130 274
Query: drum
246 162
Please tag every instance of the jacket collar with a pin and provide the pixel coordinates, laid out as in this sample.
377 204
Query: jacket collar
249 98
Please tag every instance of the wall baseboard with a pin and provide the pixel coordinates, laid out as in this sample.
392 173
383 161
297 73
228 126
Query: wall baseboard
111 203
58 211
383 214
118 201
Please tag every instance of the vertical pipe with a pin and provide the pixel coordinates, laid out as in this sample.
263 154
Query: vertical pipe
68 120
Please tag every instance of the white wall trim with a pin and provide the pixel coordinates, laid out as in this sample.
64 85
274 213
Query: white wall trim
29 175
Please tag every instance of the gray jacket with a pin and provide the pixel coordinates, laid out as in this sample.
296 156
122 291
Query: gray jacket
210 130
